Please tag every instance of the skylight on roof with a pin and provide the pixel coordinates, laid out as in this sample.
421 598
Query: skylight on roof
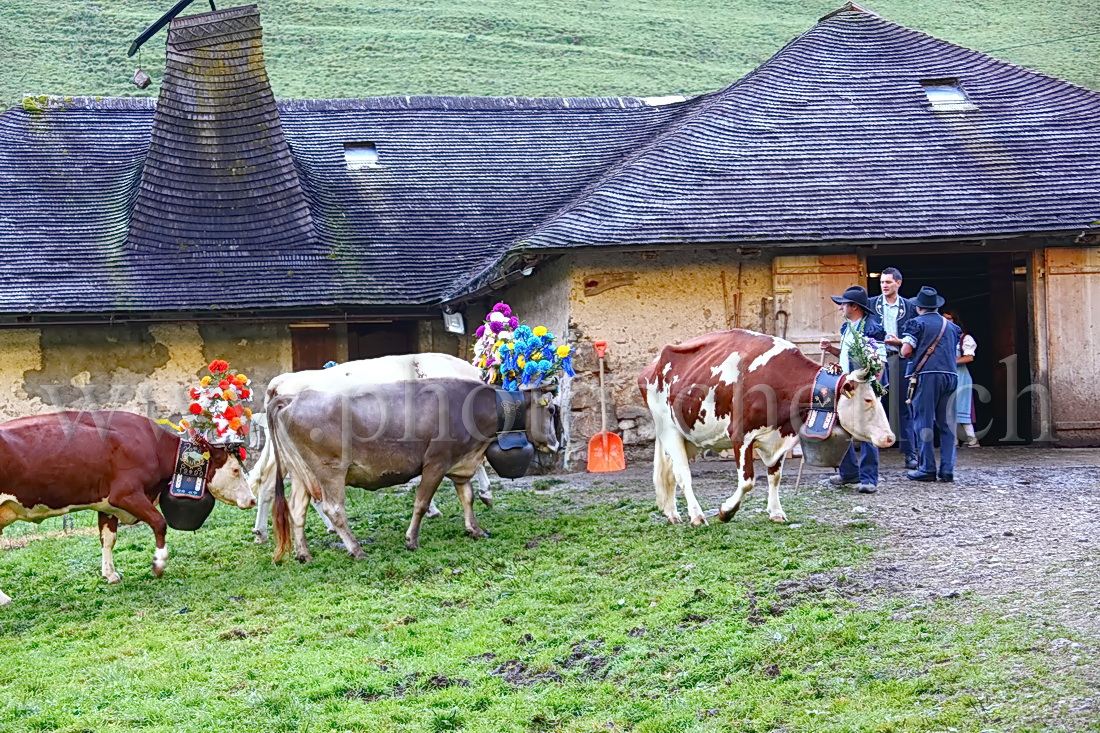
945 95
360 155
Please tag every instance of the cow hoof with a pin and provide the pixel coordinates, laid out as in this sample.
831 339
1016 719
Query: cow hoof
358 555
477 534
779 518
261 537
698 521
114 578
433 513
674 519
487 500
303 557
411 544
158 570
727 516
4 599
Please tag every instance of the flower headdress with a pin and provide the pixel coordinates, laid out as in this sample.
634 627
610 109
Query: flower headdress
515 355
864 352
217 414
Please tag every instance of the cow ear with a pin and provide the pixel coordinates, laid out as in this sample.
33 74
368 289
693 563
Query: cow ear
847 387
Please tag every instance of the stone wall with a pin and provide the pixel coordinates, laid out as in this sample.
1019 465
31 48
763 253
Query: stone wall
139 368
638 302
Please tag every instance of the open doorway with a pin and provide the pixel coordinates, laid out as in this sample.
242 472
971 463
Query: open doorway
989 291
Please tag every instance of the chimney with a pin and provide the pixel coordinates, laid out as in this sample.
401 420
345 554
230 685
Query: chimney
219 175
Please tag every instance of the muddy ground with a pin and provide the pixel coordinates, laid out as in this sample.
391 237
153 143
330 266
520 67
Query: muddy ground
1018 531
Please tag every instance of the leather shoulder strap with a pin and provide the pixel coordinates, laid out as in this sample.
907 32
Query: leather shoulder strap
931 347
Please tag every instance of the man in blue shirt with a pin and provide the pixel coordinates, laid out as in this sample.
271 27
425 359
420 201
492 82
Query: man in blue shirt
857 319
929 342
894 312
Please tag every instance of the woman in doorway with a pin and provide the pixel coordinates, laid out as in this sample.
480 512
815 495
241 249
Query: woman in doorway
964 395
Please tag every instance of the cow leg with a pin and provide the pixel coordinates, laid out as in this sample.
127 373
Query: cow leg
134 501
429 482
484 488
775 509
297 505
333 497
433 510
262 483
108 531
664 483
466 497
7 516
745 480
319 507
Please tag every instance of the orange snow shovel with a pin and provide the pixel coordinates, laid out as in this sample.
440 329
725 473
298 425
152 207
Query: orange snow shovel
605 450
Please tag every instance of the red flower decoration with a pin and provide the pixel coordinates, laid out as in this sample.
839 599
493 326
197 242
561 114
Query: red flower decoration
194 393
218 365
224 384
242 453
245 394
196 408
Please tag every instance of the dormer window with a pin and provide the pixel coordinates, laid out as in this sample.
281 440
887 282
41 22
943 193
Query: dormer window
360 155
945 95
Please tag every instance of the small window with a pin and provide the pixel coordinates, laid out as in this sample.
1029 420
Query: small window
946 95
360 155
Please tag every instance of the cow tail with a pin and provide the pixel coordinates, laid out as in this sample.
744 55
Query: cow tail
280 512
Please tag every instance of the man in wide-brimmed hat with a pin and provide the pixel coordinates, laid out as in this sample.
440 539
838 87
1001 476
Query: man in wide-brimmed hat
929 341
858 319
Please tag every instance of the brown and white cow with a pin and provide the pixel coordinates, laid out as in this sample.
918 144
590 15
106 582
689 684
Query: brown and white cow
347 378
112 462
384 436
747 392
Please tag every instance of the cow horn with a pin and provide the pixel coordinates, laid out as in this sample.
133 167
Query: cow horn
860 375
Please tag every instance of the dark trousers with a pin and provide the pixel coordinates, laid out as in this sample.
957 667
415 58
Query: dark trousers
934 407
865 467
900 414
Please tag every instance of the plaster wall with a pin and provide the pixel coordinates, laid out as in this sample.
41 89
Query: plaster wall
654 299
139 368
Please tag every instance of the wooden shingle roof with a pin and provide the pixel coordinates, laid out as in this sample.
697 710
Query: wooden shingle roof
834 139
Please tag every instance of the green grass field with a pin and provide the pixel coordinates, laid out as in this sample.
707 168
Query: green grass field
569 618
331 48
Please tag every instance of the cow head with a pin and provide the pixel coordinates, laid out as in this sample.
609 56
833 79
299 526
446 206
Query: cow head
860 411
542 416
225 477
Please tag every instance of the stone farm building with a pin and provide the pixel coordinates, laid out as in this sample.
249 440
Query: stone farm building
140 240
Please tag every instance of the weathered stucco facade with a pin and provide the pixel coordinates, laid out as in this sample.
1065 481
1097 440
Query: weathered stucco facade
145 368
637 302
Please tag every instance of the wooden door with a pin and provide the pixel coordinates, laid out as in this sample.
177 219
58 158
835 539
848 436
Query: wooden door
372 340
312 345
1072 296
802 285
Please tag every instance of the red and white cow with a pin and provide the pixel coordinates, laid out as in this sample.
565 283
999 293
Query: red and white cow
113 462
747 392
349 378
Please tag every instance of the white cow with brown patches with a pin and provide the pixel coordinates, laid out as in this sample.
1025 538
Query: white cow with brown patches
746 392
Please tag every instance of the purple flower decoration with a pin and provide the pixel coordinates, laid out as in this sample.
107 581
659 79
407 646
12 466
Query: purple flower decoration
496 326
502 308
480 331
513 323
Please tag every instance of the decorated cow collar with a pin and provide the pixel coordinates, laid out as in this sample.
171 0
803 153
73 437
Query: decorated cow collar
826 391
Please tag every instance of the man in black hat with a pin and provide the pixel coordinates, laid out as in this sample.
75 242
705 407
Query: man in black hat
929 342
857 320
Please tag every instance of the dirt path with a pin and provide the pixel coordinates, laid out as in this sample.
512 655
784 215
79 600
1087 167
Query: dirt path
1020 526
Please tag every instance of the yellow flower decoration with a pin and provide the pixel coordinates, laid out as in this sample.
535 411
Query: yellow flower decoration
539 330
205 381
229 395
563 351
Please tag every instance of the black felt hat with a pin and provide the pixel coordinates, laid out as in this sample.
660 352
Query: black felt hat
854 294
928 298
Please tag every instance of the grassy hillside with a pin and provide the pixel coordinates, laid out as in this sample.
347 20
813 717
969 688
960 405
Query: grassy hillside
342 48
